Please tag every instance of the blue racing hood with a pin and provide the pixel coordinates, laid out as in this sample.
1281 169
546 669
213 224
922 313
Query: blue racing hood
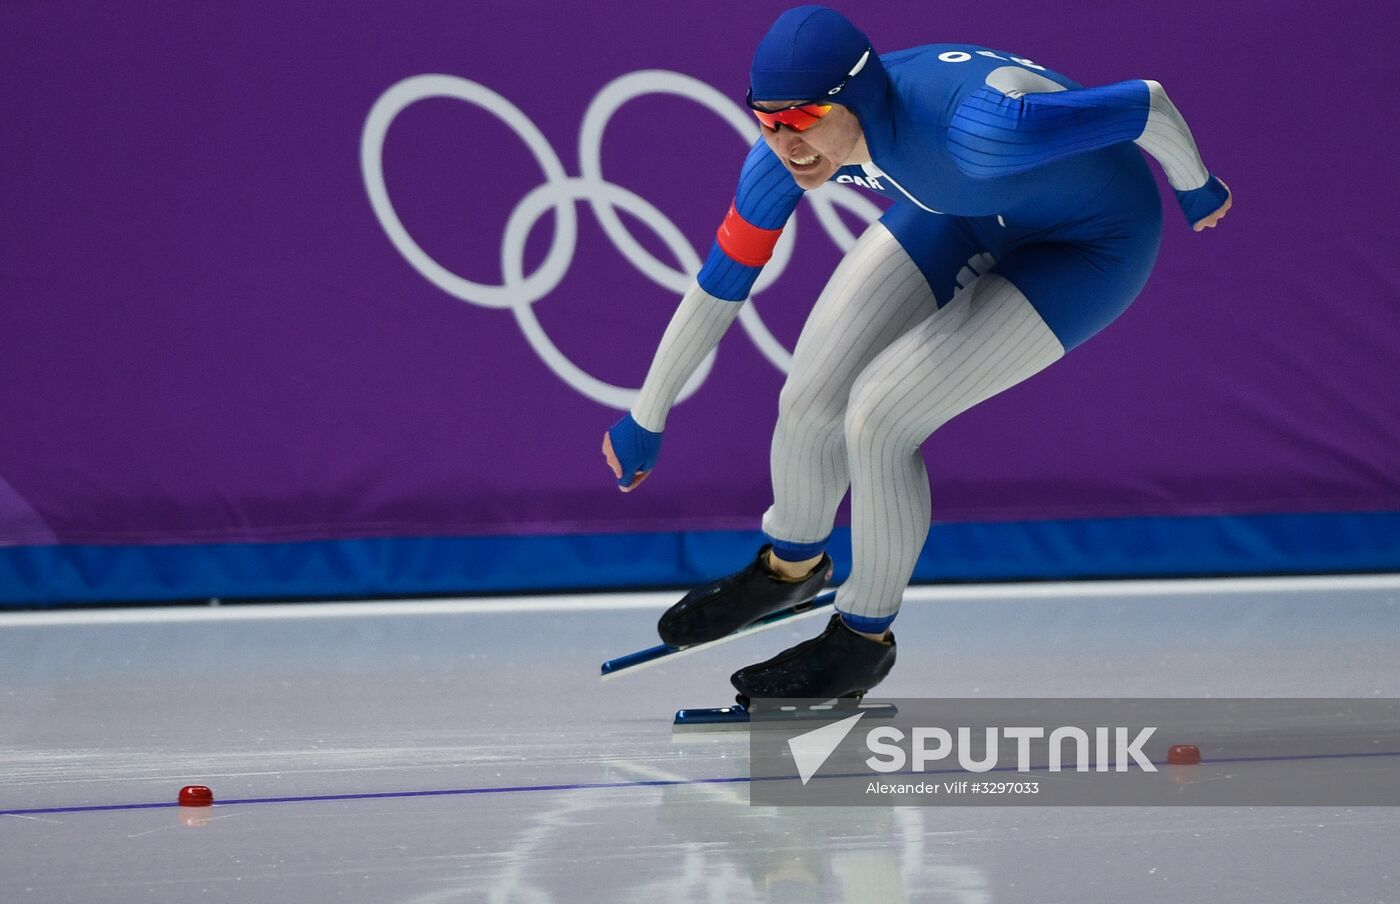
809 54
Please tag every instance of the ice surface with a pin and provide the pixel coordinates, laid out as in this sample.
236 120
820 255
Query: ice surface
502 708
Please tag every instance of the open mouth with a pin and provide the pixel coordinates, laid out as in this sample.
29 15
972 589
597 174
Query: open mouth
804 163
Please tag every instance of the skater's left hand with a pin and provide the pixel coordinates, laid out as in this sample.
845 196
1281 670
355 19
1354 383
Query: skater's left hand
1207 205
631 451
1210 221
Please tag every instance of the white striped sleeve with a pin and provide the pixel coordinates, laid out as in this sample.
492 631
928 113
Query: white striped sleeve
700 321
1167 138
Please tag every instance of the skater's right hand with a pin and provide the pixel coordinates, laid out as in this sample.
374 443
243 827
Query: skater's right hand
631 451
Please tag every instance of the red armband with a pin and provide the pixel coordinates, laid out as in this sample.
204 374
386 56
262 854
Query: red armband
745 242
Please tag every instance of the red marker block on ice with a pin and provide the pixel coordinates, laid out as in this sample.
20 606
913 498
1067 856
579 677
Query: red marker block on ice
1183 755
196 796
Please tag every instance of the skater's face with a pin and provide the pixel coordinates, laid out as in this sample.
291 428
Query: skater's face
814 154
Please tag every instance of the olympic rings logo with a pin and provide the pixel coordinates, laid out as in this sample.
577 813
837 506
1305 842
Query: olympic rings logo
559 193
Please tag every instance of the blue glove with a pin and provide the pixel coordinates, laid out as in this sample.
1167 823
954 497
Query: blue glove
1199 203
636 448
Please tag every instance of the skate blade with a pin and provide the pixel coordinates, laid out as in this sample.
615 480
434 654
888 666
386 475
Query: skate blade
659 654
741 717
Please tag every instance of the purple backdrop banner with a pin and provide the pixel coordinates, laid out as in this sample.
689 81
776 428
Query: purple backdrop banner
303 271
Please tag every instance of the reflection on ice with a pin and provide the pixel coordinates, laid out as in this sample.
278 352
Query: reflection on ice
129 711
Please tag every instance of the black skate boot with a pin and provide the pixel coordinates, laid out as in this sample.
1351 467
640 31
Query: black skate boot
836 663
724 606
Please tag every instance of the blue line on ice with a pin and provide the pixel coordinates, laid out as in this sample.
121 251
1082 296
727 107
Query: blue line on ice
652 783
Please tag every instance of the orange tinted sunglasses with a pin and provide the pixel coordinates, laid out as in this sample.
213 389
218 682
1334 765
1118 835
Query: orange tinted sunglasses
798 117
801 117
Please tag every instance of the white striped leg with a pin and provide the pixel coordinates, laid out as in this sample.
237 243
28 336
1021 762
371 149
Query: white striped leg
987 339
876 294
